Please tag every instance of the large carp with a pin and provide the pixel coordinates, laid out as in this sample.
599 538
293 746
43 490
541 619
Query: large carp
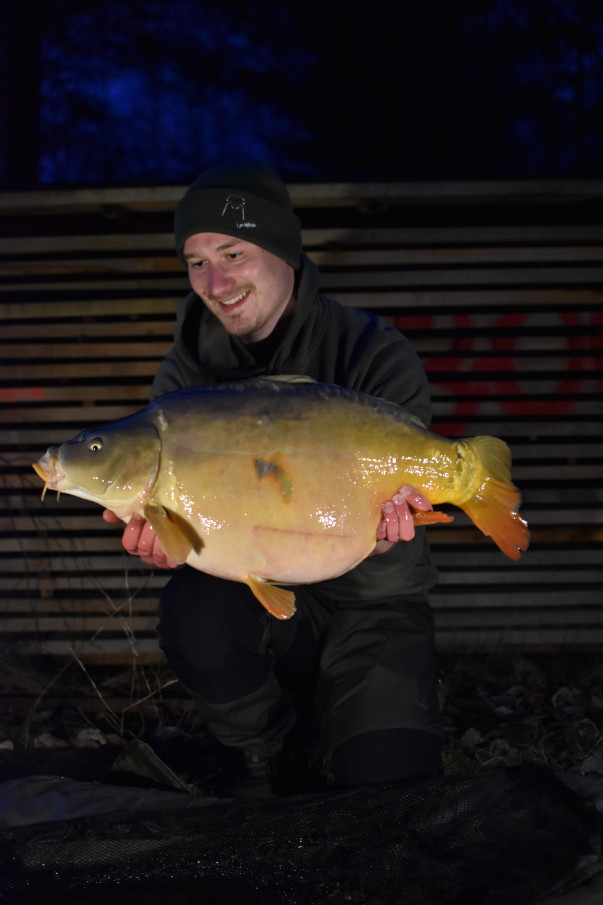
280 481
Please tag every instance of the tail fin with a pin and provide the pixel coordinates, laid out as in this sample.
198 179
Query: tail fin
493 507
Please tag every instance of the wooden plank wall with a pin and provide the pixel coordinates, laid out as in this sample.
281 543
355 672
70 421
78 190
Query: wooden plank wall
500 288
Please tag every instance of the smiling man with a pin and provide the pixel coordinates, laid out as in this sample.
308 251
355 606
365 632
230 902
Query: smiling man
359 649
248 289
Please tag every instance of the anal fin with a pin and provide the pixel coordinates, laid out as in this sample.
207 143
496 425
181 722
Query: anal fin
279 602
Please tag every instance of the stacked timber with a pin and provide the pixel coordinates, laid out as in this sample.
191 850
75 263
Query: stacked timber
498 286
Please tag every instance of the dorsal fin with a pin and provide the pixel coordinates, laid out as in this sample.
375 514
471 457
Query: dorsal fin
288 378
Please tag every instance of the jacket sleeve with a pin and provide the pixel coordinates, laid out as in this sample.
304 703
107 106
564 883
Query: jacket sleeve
380 360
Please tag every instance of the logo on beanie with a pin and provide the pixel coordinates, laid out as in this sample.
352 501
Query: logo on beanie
236 204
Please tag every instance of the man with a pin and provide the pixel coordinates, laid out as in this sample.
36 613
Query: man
363 643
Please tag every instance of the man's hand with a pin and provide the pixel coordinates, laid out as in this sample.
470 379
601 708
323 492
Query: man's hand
139 539
397 518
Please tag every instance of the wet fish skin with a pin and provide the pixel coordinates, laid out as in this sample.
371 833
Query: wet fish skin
276 482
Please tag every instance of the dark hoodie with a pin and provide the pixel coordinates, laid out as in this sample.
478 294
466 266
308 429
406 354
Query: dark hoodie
331 343
325 340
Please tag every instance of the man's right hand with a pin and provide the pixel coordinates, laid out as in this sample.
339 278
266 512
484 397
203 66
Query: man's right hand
139 539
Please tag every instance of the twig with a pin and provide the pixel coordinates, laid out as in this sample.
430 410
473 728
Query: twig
151 694
93 683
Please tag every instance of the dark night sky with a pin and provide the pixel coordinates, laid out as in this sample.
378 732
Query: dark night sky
115 92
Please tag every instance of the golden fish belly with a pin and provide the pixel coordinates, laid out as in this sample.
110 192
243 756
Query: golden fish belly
280 498
274 517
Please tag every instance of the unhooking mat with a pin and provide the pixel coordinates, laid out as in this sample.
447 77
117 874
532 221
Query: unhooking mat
496 836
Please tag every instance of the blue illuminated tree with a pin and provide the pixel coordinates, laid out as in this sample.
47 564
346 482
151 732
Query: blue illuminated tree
152 91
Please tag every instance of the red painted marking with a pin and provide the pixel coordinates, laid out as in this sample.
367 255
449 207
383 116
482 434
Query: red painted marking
501 357
22 394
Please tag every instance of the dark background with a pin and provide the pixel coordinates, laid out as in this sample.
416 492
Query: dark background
114 92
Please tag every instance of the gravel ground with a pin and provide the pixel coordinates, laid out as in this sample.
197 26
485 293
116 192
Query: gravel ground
544 708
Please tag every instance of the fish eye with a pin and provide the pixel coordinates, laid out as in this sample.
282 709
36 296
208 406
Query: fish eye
95 445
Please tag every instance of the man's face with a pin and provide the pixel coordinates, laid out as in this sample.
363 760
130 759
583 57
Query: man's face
247 288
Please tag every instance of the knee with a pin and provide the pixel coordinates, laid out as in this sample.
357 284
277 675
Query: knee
199 603
189 609
209 629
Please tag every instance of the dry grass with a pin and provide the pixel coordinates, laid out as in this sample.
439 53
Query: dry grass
544 708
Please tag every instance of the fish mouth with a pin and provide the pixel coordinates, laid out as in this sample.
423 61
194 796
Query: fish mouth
47 469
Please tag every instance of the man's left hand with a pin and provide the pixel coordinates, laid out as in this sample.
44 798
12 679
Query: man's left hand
397 518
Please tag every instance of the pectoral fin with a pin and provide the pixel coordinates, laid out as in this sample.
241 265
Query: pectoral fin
177 537
279 602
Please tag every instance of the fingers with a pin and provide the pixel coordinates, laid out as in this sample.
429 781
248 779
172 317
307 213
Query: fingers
110 517
415 499
139 539
397 521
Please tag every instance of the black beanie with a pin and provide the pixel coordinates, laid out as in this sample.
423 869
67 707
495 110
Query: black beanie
248 201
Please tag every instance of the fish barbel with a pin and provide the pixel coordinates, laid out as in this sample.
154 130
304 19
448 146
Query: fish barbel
280 480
